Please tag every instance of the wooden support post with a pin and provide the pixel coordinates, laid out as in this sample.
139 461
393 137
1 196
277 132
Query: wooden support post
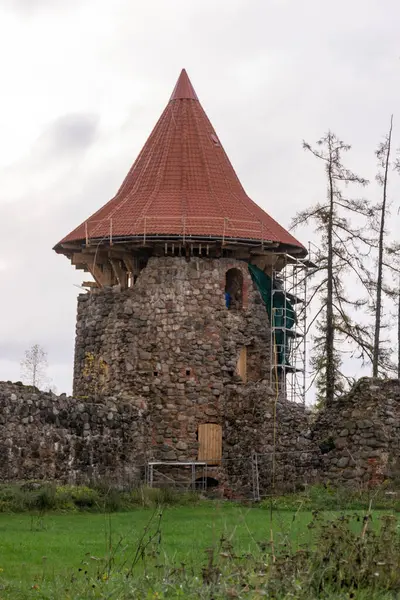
119 272
131 266
97 274
108 274
89 284
100 271
107 268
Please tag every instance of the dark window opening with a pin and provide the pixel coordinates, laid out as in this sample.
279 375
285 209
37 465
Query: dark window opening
155 373
188 372
234 289
227 253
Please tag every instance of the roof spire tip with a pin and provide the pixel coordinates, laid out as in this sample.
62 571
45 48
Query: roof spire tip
183 88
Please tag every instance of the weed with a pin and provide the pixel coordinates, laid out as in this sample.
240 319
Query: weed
339 557
42 497
326 497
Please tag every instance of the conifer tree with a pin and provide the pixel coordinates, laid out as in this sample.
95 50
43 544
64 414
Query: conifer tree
339 222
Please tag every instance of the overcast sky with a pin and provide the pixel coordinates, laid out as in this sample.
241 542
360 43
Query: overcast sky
83 83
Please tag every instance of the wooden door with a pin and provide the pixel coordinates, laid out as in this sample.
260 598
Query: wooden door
241 367
210 443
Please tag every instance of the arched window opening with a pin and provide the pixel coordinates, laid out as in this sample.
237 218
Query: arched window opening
234 289
206 483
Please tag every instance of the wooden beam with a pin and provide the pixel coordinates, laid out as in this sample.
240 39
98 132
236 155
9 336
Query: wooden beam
97 264
119 272
125 256
117 253
97 274
79 258
89 284
108 274
131 265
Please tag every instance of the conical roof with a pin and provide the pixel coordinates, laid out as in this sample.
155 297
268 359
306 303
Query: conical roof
182 185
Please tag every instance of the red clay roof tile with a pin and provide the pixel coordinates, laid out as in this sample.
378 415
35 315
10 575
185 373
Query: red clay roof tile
182 184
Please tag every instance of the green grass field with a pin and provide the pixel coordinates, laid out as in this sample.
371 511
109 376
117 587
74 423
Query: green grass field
60 556
31 547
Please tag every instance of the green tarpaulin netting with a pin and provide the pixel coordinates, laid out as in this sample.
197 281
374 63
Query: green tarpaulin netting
280 311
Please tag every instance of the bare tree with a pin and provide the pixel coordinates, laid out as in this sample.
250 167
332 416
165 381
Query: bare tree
383 156
395 249
398 333
391 264
343 249
34 366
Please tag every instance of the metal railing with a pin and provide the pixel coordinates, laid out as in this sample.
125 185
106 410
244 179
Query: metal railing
220 228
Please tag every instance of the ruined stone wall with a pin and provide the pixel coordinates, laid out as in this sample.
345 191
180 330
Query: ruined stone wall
279 432
172 343
359 435
48 437
355 442
43 436
154 362
164 355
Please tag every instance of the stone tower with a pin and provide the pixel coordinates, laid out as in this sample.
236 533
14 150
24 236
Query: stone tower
175 319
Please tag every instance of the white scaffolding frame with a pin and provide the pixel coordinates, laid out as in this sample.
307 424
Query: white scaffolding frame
151 470
289 281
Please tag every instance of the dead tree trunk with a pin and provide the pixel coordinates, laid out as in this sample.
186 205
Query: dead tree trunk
330 331
398 334
379 282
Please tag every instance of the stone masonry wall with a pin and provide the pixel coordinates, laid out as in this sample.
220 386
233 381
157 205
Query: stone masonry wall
48 437
251 427
152 363
172 343
43 436
355 442
359 435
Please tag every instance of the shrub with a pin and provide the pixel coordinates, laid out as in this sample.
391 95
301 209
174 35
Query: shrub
45 498
80 496
115 500
325 497
150 497
34 496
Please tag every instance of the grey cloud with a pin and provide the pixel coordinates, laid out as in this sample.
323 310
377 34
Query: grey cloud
268 73
69 134
44 209
60 148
